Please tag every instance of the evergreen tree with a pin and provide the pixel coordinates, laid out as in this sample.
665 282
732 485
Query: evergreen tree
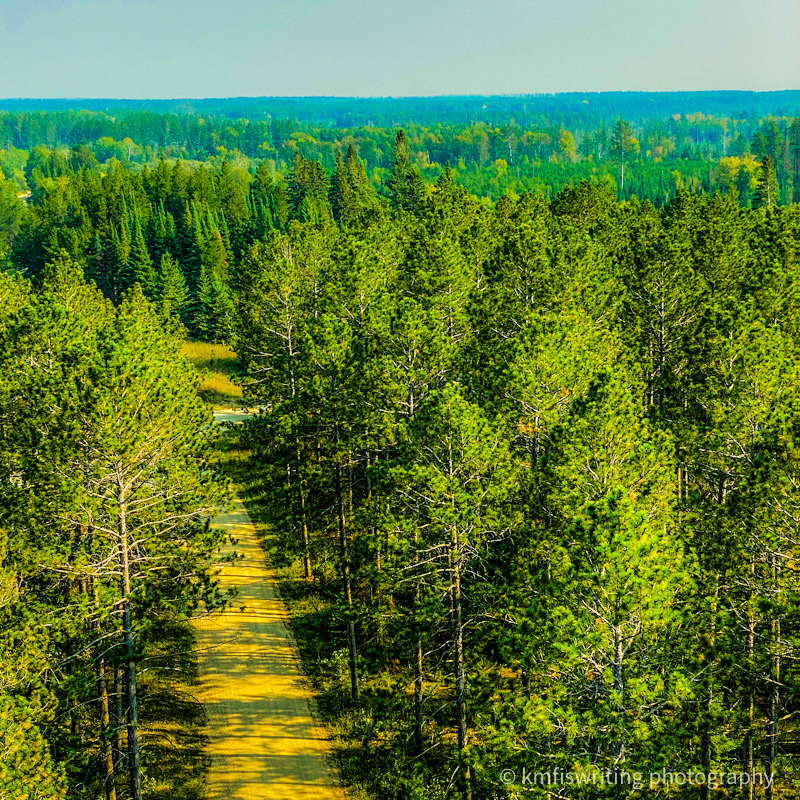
404 185
622 143
142 264
447 181
308 190
453 478
767 192
351 195
174 298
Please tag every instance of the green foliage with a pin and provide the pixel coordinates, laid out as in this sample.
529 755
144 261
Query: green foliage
536 428
533 459
26 765
767 192
404 185
351 195
174 299
104 487
307 190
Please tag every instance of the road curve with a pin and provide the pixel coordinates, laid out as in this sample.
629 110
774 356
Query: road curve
264 740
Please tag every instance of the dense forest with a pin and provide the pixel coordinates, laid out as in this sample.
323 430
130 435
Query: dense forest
648 145
535 453
543 459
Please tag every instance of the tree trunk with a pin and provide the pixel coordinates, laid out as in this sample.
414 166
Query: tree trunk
74 729
458 668
705 749
747 744
774 696
303 520
419 678
106 755
661 355
774 712
348 593
376 587
134 760
106 747
119 693
706 753
619 687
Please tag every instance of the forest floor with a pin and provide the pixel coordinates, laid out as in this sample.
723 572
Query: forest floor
265 742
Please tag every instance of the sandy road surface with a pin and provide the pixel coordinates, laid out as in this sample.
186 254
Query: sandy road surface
264 741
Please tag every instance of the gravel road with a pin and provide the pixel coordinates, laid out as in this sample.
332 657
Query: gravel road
265 740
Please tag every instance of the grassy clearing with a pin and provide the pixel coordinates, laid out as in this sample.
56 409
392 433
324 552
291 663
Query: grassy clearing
220 365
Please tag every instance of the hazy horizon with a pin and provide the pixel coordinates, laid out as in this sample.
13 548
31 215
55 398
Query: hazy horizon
475 95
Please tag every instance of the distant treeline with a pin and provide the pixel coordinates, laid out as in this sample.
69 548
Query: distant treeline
344 112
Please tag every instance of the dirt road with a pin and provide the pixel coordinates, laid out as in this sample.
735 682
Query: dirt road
264 741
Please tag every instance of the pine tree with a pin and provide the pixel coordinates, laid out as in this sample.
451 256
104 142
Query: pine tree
767 192
174 298
622 143
450 487
231 194
120 271
142 264
308 190
52 344
447 181
351 196
404 185
213 314
188 245
609 567
262 183
145 488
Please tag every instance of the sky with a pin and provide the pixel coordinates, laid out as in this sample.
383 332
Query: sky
380 48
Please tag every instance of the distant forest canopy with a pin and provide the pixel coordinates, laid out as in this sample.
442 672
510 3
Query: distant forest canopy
345 112
699 141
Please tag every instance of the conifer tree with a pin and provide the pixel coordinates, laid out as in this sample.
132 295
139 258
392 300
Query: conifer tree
451 484
767 192
142 264
447 181
120 270
308 190
189 243
213 314
262 183
174 298
404 185
351 195
231 194
145 489
622 143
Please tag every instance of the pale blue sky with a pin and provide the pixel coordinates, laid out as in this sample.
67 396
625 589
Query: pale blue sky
223 48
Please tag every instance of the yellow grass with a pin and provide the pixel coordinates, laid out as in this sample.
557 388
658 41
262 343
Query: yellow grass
219 363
